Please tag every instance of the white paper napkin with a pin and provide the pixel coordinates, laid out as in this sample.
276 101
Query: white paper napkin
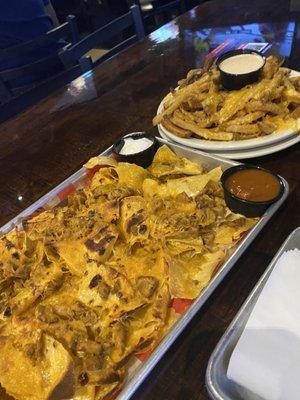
266 359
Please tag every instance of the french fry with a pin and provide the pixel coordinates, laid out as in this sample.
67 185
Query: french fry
238 99
266 127
295 81
202 132
295 113
192 75
195 103
200 118
183 95
292 96
288 84
247 119
167 124
267 107
243 136
271 67
168 100
251 129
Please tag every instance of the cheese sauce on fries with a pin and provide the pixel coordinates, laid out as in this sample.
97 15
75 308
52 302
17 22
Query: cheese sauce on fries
201 107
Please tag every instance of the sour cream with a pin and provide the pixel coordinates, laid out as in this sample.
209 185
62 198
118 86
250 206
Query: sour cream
242 64
134 146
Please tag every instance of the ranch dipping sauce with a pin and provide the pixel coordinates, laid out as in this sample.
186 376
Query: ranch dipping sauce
133 146
136 148
253 185
242 64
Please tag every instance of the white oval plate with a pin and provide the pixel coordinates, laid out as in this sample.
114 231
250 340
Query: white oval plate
255 152
225 146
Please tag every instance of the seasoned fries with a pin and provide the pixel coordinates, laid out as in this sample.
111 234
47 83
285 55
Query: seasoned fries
201 108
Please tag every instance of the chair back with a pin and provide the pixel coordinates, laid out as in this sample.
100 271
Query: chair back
71 55
36 93
172 5
44 67
158 9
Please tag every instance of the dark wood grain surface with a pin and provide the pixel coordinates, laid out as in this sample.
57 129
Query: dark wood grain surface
48 142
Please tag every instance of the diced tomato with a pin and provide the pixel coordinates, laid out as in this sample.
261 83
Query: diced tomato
181 305
63 194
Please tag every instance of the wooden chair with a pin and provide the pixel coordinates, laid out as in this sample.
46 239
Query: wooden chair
71 55
44 68
178 5
156 12
36 93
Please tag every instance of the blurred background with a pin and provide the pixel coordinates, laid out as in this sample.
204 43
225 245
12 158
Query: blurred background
92 14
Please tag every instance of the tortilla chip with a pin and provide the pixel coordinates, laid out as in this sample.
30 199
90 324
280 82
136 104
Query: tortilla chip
191 185
101 161
25 380
131 175
188 278
73 255
132 221
84 393
180 246
229 234
166 163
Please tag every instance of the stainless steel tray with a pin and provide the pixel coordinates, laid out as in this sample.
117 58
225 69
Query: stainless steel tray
217 383
209 161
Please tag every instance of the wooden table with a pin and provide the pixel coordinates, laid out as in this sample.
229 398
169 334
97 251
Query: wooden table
47 143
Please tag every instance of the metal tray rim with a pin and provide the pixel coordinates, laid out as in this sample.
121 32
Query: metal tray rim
132 385
213 389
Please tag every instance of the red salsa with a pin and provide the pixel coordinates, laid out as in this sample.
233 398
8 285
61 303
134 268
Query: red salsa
253 185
